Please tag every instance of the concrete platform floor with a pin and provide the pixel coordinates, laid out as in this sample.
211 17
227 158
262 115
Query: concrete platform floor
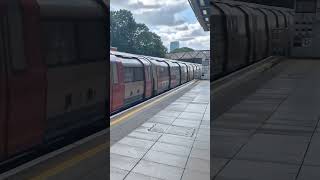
173 144
272 134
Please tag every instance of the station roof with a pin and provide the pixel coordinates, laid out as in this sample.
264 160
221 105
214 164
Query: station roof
201 8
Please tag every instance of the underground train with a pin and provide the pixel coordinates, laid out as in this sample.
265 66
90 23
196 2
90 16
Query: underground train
135 78
53 71
244 33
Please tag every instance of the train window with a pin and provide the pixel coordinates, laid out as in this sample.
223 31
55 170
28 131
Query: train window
138 74
114 73
59 42
92 41
128 74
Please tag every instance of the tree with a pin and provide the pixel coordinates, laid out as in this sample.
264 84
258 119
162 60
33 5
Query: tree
132 37
183 49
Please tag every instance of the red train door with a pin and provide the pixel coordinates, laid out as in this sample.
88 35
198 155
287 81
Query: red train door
117 94
26 78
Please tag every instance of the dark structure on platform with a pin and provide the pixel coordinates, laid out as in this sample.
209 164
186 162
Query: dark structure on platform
278 3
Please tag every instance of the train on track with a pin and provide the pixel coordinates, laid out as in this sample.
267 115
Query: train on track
136 78
245 33
53 71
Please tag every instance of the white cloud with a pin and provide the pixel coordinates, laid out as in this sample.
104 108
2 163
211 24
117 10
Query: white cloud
164 18
190 35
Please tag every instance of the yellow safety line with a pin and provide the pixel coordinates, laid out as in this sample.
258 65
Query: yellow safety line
72 161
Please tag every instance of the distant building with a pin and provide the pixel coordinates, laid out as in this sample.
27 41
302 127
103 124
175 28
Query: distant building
197 56
174 45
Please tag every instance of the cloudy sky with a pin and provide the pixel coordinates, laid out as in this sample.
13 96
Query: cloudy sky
172 20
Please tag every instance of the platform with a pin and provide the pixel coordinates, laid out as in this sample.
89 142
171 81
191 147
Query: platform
272 130
173 143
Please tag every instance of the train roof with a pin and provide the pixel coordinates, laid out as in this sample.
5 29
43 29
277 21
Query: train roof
128 60
147 59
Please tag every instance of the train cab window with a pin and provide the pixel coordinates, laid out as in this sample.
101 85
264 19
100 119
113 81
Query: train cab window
92 41
59 42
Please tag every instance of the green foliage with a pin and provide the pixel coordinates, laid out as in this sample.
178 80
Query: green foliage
129 36
183 49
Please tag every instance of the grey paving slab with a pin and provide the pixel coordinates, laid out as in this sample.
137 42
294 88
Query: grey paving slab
277 148
181 131
126 150
200 165
162 119
186 123
251 170
309 173
168 113
159 128
191 115
273 128
147 135
176 140
122 162
117 174
158 170
140 143
227 147
202 144
166 158
203 131
313 154
172 149
195 175
203 137
200 153
137 176
216 164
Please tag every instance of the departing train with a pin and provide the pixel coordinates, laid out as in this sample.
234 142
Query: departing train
53 71
244 33
135 78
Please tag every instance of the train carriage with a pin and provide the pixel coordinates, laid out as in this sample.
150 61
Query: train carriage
54 71
190 71
174 74
241 34
183 72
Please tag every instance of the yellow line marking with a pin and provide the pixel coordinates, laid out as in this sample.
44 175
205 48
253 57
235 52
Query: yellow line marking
73 161
134 111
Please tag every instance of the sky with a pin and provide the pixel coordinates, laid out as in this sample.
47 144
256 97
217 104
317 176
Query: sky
172 20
